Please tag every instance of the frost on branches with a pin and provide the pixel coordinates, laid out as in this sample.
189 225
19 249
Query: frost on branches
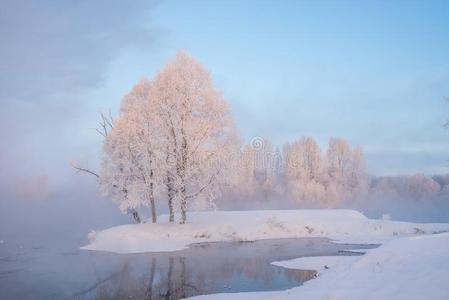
172 141
174 145
301 174
129 173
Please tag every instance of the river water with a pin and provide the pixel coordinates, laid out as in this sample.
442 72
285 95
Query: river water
70 273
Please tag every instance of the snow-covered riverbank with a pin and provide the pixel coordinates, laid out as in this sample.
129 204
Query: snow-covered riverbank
406 268
340 225
412 262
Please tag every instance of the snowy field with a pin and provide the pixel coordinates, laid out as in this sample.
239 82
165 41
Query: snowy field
339 225
405 268
411 263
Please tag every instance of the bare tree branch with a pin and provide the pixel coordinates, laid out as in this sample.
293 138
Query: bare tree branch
211 180
106 124
84 170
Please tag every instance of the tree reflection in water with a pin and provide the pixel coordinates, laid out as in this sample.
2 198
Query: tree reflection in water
173 285
210 268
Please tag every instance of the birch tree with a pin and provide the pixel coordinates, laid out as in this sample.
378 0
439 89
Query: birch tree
247 171
131 152
197 128
345 169
304 169
112 182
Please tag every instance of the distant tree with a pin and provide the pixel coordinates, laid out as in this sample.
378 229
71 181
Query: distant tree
258 171
304 170
247 184
339 160
265 165
421 187
416 196
346 171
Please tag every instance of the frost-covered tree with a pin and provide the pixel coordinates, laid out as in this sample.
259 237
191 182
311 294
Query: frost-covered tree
345 170
113 183
258 170
304 159
323 180
266 164
116 173
421 187
303 170
131 153
247 184
176 132
339 160
198 131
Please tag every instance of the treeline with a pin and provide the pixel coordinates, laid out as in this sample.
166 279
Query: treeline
302 175
298 174
417 187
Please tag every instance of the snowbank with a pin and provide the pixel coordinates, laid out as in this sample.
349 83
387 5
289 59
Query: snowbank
401 269
341 225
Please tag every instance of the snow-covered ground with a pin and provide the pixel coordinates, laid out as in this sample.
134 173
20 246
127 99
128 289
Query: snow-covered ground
340 225
412 263
408 268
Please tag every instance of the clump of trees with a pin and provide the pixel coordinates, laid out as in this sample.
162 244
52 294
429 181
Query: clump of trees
174 144
301 173
414 188
171 143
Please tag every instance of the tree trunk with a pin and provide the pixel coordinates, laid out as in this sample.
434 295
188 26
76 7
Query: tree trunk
152 204
183 293
182 165
183 204
151 194
171 261
149 294
136 216
171 195
133 211
169 183
183 198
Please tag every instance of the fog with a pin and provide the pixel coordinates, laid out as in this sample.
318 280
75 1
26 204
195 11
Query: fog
62 63
60 219
375 203
54 55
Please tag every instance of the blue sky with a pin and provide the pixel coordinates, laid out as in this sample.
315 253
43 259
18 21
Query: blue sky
374 72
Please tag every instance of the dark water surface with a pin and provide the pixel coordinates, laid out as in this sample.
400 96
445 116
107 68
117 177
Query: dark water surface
47 273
